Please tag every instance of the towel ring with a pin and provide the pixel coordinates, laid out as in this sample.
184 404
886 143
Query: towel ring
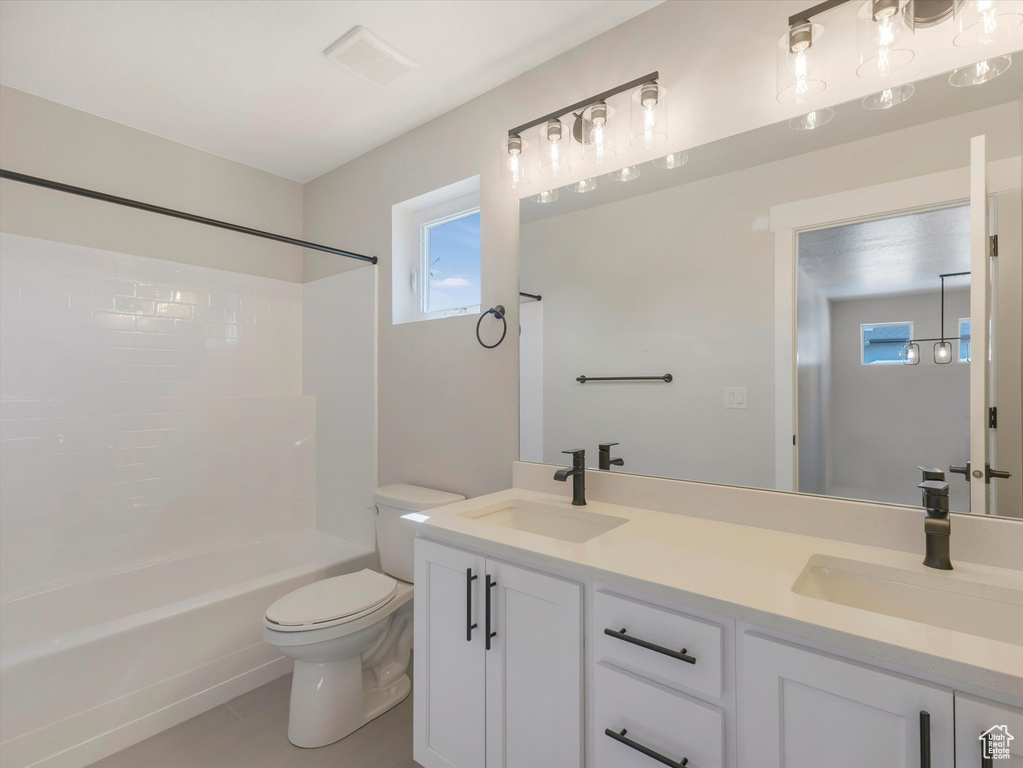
499 313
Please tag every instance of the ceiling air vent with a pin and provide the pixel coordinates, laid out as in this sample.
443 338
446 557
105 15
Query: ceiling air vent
368 56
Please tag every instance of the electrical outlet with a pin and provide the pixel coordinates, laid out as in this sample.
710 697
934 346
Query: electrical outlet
735 397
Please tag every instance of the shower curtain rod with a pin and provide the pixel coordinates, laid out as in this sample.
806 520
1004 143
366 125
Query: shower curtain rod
129 203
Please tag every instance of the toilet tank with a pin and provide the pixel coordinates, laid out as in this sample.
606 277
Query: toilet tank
397 506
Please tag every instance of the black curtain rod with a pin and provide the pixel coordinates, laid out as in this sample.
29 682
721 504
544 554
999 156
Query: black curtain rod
129 203
535 296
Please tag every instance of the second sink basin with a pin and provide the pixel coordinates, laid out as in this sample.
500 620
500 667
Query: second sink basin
994 611
555 522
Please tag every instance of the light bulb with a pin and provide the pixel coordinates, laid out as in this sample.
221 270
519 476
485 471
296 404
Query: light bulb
812 120
980 72
547 196
889 97
582 187
884 36
629 173
598 133
554 148
942 352
911 354
674 160
513 169
800 65
979 22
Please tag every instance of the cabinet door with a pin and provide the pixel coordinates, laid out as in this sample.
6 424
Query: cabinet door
1003 727
450 667
803 709
534 670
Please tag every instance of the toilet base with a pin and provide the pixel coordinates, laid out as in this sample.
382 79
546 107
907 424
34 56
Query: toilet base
323 709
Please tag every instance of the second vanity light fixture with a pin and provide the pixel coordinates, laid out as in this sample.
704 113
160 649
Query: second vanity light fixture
588 130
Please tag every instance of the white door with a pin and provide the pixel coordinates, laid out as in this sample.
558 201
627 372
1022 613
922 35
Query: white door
450 665
803 709
980 328
1001 728
534 670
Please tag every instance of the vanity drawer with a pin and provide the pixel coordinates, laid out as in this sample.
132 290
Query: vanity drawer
655 718
653 633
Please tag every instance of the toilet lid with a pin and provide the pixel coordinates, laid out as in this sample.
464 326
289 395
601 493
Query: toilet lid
333 599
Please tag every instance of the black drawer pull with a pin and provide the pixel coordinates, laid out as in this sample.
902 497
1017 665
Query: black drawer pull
680 655
489 634
620 737
925 739
469 625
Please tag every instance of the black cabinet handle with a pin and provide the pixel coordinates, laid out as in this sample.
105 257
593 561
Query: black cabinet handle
986 761
680 655
469 625
490 585
925 739
620 737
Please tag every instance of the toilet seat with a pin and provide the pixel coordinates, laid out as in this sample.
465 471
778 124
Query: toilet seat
331 602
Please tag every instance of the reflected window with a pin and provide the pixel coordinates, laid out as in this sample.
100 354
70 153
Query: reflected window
883 343
964 339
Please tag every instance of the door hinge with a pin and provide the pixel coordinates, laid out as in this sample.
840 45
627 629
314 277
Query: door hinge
793 439
992 417
994 246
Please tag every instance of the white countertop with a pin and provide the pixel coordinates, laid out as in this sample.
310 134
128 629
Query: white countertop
747 573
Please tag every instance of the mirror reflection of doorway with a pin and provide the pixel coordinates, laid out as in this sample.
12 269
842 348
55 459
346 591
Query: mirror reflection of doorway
876 397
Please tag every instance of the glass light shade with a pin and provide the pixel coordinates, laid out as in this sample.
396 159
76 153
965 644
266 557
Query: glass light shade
980 72
598 132
582 187
911 354
801 73
513 163
674 160
649 116
942 352
884 34
889 97
812 120
555 146
547 196
979 22
629 173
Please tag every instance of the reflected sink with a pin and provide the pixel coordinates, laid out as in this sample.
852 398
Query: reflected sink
554 522
988 610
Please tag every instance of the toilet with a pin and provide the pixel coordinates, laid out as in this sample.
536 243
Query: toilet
351 635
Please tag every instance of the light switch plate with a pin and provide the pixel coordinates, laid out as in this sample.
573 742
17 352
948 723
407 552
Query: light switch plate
735 397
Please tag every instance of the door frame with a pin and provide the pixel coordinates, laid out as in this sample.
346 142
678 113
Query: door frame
914 195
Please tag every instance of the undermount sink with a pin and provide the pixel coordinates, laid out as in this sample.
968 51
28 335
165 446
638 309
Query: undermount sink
555 522
988 610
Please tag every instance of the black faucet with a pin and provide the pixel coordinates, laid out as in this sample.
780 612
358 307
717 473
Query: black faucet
937 524
578 474
606 462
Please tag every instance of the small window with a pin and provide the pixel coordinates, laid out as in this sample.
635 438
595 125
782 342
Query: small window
883 343
964 339
436 254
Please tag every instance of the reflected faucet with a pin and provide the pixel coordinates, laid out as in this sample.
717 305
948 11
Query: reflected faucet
605 460
937 524
578 474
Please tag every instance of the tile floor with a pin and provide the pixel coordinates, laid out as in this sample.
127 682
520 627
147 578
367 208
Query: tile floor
251 732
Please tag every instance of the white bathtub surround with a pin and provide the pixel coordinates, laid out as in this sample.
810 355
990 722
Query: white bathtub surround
101 664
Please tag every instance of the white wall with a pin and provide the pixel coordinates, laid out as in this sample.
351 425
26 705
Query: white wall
449 413
45 139
148 409
813 345
886 420
339 369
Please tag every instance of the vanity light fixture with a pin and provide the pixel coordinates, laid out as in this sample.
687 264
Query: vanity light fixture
628 173
513 162
582 187
591 123
911 354
811 121
889 97
674 160
980 72
555 146
547 196
800 66
884 35
979 22
942 352
649 116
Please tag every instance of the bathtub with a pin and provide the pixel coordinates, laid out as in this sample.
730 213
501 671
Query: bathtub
92 667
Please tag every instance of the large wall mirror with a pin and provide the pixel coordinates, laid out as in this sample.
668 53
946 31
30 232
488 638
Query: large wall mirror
802 310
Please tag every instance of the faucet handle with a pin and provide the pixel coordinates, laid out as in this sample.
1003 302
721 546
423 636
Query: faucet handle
934 488
932 473
606 446
576 452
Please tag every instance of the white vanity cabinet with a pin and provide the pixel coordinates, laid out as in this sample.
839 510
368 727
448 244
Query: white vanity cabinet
803 709
510 700
997 722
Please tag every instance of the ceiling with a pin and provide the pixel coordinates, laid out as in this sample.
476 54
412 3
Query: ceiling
247 79
904 254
